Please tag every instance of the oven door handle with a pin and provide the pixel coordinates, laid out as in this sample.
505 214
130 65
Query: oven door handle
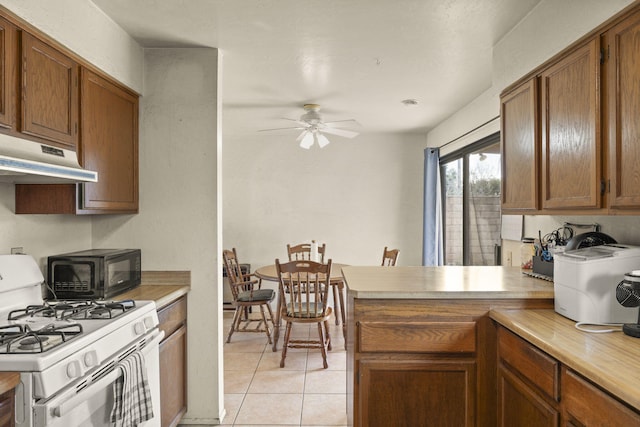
99 385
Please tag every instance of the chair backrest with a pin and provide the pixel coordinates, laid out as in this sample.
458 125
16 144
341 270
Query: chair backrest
303 252
389 257
307 284
234 272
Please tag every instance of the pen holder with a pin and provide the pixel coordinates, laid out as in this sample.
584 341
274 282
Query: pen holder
540 266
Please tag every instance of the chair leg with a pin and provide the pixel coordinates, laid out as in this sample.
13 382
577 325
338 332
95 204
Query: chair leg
343 314
235 322
328 341
323 349
335 302
266 324
285 344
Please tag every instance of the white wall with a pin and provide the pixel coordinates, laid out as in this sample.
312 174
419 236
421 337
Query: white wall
177 224
357 196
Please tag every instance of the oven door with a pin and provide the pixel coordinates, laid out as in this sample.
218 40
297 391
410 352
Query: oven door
92 405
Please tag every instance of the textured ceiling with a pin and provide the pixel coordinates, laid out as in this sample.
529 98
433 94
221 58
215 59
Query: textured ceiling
358 59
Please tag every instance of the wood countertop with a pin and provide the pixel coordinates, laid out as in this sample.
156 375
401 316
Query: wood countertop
444 282
163 287
8 381
607 359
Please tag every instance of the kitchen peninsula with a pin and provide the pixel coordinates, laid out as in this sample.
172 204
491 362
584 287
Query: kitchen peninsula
421 337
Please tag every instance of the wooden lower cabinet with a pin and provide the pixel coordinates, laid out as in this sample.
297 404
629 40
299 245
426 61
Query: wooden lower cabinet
528 384
535 390
7 403
418 392
423 362
586 405
173 362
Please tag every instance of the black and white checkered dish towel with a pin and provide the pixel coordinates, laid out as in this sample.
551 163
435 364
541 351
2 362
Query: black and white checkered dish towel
131 393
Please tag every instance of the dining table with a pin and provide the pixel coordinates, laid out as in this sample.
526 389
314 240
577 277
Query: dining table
270 273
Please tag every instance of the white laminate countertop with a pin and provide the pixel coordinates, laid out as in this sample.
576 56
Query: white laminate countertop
480 282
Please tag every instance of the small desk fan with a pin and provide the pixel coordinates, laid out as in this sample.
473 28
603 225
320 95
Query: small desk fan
628 295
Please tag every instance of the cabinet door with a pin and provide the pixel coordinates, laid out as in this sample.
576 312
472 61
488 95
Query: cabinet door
7 74
417 393
173 378
621 48
108 145
571 146
586 405
6 409
49 93
520 147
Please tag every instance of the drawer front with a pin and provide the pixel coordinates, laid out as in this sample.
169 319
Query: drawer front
586 405
531 363
417 337
173 316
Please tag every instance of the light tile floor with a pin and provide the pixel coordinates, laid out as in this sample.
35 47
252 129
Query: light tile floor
260 393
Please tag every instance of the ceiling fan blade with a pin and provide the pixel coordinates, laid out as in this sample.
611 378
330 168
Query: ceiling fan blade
340 132
332 122
267 130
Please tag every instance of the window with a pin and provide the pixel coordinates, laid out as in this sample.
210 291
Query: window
471 187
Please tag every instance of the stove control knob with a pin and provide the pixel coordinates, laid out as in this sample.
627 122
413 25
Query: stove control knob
139 328
148 322
91 359
74 369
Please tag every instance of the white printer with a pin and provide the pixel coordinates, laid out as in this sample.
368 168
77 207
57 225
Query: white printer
585 280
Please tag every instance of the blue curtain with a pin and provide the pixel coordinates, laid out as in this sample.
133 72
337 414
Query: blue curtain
432 246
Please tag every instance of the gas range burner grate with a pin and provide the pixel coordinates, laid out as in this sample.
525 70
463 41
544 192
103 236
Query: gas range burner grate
22 339
76 310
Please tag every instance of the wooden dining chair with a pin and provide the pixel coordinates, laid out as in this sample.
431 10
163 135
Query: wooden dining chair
247 293
389 257
303 252
306 284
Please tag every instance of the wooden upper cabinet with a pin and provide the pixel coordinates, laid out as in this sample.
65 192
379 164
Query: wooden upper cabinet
108 145
570 120
49 93
621 49
520 147
8 62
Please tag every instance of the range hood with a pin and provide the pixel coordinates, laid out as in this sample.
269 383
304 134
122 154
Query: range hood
28 162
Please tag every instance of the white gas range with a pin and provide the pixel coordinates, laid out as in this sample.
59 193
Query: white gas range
70 353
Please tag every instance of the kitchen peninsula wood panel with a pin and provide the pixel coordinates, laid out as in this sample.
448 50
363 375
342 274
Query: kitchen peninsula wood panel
453 370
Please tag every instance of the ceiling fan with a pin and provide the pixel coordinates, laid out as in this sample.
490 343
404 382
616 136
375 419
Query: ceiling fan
313 127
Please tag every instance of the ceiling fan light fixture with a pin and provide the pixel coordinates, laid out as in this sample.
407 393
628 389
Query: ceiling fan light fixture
307 141
322 140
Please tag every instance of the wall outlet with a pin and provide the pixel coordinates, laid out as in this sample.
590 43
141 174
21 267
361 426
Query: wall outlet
18 250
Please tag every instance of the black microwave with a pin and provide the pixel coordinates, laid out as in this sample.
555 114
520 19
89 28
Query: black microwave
93 274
